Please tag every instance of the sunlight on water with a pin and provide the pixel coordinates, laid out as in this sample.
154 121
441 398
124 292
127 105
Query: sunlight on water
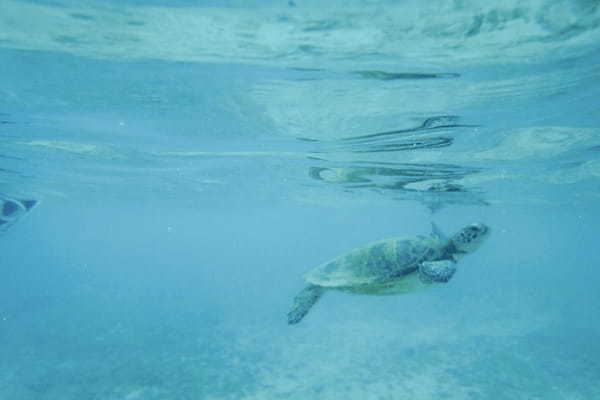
306 35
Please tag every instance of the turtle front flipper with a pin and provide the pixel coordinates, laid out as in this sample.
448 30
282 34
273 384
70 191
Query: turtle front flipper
436 271
303 302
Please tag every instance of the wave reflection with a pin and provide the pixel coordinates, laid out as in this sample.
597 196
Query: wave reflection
433 184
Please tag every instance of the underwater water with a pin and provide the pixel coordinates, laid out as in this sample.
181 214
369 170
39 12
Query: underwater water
169 171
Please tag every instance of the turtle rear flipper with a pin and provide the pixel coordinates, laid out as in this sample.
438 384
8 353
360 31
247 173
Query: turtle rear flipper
303 302
436 271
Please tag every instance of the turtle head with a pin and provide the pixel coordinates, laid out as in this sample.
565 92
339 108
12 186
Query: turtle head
469 238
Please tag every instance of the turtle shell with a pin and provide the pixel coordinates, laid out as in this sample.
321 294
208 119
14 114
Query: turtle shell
376 263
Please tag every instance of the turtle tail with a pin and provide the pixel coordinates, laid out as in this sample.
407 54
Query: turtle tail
303 302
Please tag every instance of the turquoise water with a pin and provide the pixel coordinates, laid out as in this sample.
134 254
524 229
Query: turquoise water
169 170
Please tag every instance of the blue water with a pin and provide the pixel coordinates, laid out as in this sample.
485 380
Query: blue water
169 170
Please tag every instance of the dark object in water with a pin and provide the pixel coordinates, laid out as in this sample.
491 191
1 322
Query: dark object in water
392 76
12 210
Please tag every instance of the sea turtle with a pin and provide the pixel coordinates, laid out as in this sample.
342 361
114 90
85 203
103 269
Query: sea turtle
390 266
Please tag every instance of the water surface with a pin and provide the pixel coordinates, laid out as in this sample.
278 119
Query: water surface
190 160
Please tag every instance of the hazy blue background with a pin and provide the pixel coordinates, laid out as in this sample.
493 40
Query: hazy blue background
192 162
